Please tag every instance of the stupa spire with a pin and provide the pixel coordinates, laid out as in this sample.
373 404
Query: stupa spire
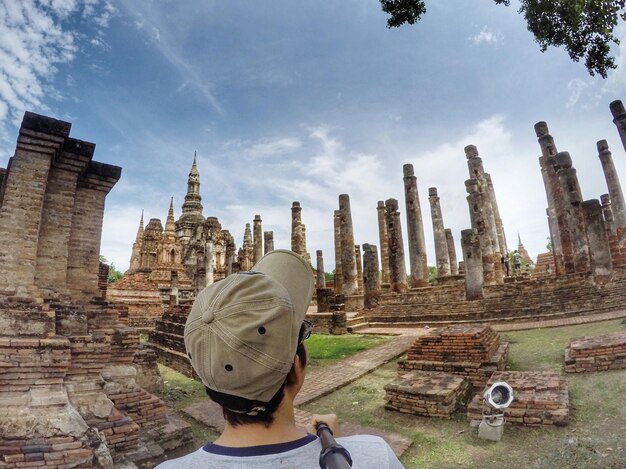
169 223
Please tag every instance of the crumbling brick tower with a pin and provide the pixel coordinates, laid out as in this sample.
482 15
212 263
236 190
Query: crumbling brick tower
68 395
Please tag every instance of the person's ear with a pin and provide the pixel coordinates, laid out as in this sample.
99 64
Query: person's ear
296 374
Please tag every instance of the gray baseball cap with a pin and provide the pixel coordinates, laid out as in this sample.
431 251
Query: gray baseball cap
242 332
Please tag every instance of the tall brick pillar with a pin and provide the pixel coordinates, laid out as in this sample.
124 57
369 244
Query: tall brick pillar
338 270
439 234
415 229
397 266
371 276
56 219
358 260
612 181
268 241
382 235
480 225
571 218
619 119
488 231
39 142
348 263
321 278
496 214
553 191
607 213
257 237
84 247
600 252
454 266
472 264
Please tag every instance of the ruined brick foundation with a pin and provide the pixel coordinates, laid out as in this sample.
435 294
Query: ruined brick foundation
598 353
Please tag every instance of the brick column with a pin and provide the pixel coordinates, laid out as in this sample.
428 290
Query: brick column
86 231
480 225
613 184
488 231
39 142
268 241
257 239
348 264
454 266
607 213
415 229
359 267
382 235
571 218
553 191
619 119
321 278
338 277
397 267
502 247
56 219
601 261
296 233
439 234
472 264
371 276
209 259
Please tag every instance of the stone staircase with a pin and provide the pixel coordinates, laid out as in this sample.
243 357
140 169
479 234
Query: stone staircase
356 321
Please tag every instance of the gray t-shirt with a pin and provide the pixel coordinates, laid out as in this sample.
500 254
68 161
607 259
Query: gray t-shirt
367 451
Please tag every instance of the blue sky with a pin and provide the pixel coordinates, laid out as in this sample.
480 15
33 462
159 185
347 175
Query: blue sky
304 101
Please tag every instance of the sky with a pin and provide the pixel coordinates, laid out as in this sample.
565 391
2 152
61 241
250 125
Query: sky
302 101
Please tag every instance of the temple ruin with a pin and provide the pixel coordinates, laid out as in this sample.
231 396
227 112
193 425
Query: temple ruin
69 389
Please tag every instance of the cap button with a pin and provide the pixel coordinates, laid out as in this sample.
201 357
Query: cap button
208 316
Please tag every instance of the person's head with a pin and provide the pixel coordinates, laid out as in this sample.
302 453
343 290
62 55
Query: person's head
244 334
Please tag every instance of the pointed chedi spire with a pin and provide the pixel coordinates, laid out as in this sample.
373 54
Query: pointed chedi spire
191 215
169 223
247 236
139 236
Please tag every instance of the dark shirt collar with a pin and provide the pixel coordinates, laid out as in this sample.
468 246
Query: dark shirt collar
261 450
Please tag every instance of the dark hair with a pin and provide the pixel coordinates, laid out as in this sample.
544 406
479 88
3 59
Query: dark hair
239 416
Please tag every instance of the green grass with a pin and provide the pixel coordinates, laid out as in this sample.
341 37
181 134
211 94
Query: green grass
544 349
594 437
324 350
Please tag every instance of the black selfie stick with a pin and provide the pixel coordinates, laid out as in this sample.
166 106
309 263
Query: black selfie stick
333 455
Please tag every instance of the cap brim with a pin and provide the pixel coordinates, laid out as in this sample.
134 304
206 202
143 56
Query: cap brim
292 272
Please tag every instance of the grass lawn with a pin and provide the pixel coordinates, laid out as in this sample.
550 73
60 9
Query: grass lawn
324 349
595 437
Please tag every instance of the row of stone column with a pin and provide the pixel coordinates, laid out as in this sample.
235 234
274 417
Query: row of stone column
569 218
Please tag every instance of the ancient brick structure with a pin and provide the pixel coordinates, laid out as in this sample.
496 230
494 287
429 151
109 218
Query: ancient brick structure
541 398
526 259
473 264
68 387
619 118
454 265
473 351
298 232
607 214
481 200
245 256
553 191
439 234
167 339
371 277
268 241
349 283
598 241
618 205
384 242
358 260
397 268
598 353
426 393
321 278
337 238
415 229
257 239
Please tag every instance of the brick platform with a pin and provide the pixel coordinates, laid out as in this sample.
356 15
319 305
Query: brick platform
426 393
474 352
599 353
541 398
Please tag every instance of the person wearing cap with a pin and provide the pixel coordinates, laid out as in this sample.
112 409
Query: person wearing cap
245 339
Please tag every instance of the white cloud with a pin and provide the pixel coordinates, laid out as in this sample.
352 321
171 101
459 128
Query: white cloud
576 88
486 36
35 37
